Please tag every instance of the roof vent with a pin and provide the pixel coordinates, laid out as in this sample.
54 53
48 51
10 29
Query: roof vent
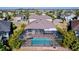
36 22
40 19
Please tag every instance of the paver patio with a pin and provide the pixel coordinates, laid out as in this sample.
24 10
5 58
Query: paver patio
43 49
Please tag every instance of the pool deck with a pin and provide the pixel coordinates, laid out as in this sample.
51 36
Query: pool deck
28 41
42 49
56 47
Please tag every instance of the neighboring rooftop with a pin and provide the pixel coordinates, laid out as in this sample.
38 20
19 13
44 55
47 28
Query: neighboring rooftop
34 16
75 25
5 25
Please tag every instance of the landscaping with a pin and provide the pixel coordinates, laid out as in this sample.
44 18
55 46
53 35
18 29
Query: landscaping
14 41
70 40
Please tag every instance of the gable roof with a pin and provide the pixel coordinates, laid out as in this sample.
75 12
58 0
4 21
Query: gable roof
75 25
40 24
5 26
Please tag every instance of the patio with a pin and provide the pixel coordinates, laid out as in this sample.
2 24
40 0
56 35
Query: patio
43 49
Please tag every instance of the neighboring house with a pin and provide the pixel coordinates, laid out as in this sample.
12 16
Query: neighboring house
68 17
77 17
5 29
41 26
0 11
1 18
34 17
60 23
10 13
75 26
4 14
19 18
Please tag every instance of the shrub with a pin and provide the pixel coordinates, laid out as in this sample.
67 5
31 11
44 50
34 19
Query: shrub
4 47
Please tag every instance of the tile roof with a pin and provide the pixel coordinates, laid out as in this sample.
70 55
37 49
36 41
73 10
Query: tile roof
5 25
34 16
57 21
75 24
40 24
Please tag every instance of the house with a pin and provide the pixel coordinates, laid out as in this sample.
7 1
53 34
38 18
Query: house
68 17
40 26
77 17
60 23
75 26
19 18
34 17
5 29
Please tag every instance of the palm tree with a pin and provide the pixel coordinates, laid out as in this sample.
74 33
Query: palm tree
27 14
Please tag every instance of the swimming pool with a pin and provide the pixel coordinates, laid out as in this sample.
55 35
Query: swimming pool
41 42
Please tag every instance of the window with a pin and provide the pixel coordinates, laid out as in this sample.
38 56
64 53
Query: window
75 31
29 30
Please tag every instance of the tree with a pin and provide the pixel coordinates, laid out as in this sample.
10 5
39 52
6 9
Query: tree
9 17
51 14
14 41
1 15
38 12
14 14
14 26
4 47
70 40
27 14
77 12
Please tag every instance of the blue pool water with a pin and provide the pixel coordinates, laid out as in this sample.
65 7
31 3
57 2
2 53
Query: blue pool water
41 42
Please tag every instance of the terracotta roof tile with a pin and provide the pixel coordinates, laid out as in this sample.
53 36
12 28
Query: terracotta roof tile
40 24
